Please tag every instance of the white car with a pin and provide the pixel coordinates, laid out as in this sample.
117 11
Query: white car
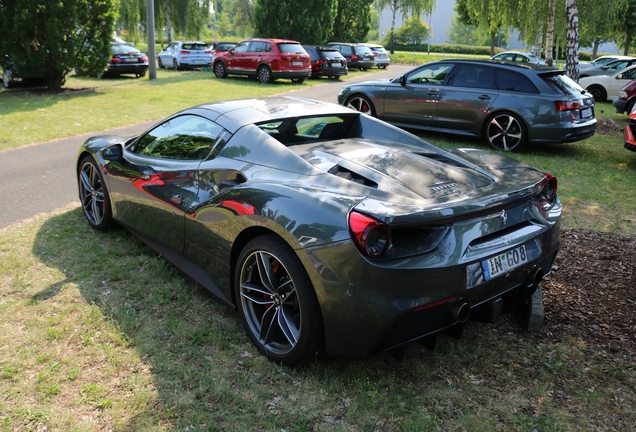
181 55
606 87
519 57
603 60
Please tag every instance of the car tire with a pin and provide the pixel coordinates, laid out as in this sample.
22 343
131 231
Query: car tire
219 70
629 106
93 195
175 65
276 302
363 69
298 80
264 75
505 131
160 63
141 74
598 92
362 104
335 78
7 79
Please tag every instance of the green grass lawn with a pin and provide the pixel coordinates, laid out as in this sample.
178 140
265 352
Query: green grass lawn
98 332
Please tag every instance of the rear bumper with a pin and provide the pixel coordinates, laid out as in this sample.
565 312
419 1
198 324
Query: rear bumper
291 74
128 69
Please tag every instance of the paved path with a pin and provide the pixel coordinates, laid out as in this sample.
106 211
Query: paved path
41 178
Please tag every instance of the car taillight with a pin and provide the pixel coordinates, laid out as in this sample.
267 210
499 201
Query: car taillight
354 57
208 51
184 52
115 59
622 94
143 59
548 195
567 105
375 54
370 235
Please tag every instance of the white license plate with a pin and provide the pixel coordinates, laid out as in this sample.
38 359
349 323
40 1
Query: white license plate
199 61
504 262
297 63
586 112
130 60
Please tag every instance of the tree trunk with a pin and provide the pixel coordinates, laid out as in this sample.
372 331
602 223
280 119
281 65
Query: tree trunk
538 44
493 35
628 42
549 38
572 40
595 45
394 9
168 23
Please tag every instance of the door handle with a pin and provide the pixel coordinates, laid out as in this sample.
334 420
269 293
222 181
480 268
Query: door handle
484 97
432 93
177 199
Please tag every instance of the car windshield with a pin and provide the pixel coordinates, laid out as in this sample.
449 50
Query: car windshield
224 46
563 84
291 48
331 55
534 57
304 130
363 50
120 49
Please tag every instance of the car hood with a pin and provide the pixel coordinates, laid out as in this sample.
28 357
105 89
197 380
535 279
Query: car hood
374 83
412 183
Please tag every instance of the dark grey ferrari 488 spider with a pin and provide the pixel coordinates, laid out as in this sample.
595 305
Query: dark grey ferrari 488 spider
330 231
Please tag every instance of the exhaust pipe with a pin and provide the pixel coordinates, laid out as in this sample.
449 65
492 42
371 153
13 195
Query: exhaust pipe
534 280
460 312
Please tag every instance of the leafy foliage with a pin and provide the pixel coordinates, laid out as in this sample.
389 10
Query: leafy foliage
352 22
50 38
307 21
413 7
413 32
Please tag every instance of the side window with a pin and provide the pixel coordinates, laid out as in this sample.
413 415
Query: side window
185 137
242 47
522 59
258 47
630 74
474 76
435 74
513 81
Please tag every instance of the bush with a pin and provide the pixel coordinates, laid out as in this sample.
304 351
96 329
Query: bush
445 49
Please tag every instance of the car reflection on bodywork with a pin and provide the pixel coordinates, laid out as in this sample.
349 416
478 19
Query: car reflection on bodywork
328 230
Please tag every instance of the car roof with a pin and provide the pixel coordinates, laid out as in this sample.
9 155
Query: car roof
271 40
503 63
234 114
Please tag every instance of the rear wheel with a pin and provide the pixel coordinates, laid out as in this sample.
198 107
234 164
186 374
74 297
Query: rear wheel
175 65
94 195
505 132
276 301
362 104
219 70
160 63
298 80
598 92
264 75
630 106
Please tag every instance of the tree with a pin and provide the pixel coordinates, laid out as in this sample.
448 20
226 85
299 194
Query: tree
413 32
626 25
308 21
352 22
51 38
412 7
549 41
572 40
462 34
489 15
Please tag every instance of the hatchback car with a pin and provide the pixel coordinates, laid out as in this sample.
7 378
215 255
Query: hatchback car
326 229
519 57
608 68
185 55
626 99
510 105
358 56
266 60
382 58
326 61
606 87
600 61
126 59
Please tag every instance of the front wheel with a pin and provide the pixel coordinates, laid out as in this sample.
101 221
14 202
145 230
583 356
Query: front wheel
7 79
362 104
160 63
276 302
264 75
94 195
505 132
219 70
598 93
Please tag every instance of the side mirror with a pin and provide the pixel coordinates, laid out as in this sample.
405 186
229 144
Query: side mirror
403 80
605 67
231 51
113 153
619 76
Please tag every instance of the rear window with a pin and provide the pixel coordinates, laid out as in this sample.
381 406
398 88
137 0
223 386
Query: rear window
363 50
120 49
290 48
331 55
563 84
514 82
195 46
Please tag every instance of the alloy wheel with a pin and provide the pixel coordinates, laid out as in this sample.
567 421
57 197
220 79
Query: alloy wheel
92 194
505 132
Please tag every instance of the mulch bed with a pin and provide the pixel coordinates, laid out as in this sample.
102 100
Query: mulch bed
591 293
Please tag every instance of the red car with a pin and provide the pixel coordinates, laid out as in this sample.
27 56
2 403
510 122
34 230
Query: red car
630 132
626 98
265 59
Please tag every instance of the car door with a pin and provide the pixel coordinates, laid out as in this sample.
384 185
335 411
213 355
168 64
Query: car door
466 99
414 99
617 82
257 53
154 183
235 60
170 54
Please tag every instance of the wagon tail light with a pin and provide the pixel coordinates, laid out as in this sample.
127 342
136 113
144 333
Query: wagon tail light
184 52
370 235
567 106
548 195
354 57
143 59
